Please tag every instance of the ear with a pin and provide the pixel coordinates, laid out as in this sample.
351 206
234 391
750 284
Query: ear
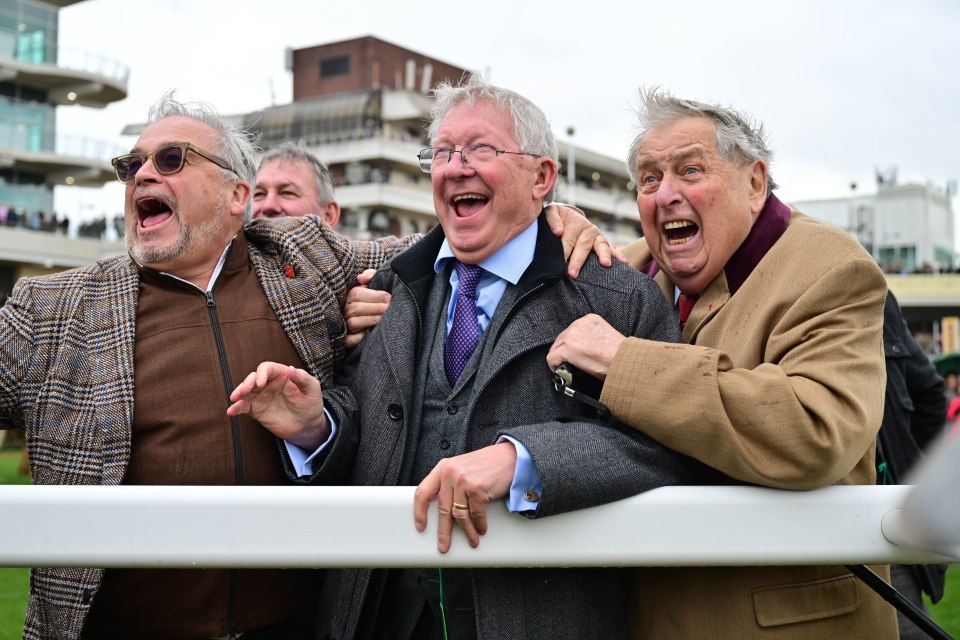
546 176
239 198
757 174
331 213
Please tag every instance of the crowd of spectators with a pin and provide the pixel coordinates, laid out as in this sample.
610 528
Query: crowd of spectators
35 220
896 266
54 223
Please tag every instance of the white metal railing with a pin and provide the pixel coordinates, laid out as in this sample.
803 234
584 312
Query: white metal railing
162 526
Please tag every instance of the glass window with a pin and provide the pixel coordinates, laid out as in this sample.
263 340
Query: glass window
335 67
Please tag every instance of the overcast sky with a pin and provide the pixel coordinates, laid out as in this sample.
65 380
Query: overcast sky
843 86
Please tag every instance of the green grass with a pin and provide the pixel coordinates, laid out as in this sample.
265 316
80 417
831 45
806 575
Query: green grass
946 613
14 585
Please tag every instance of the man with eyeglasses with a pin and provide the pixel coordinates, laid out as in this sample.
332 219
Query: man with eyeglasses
120 372
453 395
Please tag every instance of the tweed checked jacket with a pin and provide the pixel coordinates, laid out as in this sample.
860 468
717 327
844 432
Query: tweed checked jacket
581 462
66 368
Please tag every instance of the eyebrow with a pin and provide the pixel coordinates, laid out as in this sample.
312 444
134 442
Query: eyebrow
477 133
692 151
280 185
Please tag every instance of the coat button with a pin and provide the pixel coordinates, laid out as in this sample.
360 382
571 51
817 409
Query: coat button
395 412
452 409
444 444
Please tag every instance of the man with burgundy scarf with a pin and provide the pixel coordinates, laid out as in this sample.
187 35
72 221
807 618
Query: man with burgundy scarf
780 382
450 392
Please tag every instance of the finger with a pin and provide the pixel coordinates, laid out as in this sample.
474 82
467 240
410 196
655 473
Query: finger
462 511
478 515
244 387
358 309
366 276
555 356
363 295
238 407
618 254
268 372
552 213
353 339
603 249
425 493
303 381
361 324
581 250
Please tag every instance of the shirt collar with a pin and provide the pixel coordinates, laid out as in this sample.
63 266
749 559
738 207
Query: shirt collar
510 260
213 277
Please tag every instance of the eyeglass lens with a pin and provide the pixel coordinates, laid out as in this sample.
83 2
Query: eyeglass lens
166 160
435 158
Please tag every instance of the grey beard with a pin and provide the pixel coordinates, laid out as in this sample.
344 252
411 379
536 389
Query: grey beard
189 236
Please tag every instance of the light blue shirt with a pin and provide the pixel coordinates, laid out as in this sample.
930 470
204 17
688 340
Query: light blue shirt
504 267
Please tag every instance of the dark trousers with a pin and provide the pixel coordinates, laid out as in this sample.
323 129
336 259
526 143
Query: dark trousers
904 581
410 606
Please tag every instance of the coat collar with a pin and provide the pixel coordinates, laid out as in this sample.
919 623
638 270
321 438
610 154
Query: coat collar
414 266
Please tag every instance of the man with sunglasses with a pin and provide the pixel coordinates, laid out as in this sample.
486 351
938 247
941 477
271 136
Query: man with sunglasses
453 396
120 372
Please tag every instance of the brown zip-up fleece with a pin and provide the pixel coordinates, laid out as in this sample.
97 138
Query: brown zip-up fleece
183 436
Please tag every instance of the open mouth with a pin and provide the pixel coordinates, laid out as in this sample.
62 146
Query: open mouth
679 231
151 212
468 204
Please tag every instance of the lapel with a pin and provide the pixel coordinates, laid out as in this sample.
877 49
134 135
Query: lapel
515 332
111 333
713 298
302 306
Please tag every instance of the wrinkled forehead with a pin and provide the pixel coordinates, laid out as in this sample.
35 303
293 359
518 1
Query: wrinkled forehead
176 129
681 139
483 120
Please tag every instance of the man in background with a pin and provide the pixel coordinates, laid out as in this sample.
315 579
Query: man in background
292 181
914 417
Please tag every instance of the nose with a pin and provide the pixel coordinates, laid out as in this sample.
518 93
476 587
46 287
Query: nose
147 172
457 166
268 207
667 192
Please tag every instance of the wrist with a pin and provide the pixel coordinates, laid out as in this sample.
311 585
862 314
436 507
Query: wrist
311 438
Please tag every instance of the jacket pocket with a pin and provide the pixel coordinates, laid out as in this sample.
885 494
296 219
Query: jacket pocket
806 601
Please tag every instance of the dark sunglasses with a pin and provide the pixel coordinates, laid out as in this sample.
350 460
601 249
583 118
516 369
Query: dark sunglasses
167 160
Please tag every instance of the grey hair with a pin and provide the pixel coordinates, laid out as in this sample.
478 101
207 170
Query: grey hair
531 129
298 152
234 145
739 137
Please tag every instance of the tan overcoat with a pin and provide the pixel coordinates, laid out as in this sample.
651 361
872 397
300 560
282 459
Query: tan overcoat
780 385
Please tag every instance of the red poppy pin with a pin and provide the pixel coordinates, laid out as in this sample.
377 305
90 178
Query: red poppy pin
288 271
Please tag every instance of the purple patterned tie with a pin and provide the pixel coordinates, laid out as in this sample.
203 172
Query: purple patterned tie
465 331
